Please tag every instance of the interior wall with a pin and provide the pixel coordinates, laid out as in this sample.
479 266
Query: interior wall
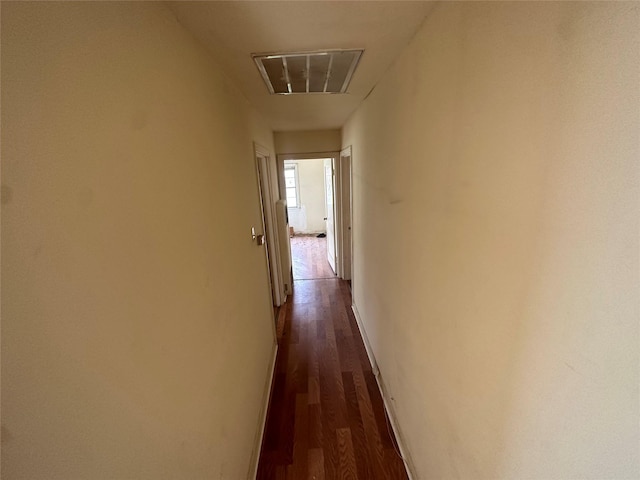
129 191
496 239
307 141
309 216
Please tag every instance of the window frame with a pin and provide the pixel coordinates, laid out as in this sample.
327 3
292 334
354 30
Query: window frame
296 180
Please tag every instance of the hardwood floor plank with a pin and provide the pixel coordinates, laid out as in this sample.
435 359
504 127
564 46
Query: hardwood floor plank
333 382
302 361
315 426
320 325
272 430
301 437
372 435
346 458
378 410
316 464
287 422
267 467
349 360
340 317
328 409
357 429
395 466
313 387
358 342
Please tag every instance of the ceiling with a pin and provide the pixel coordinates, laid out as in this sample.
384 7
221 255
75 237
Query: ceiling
233 30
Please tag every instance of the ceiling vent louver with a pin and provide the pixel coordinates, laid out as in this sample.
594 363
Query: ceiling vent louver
308 72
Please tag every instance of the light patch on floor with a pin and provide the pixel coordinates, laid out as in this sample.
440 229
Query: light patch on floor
309 257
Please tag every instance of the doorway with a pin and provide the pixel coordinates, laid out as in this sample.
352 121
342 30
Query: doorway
309 188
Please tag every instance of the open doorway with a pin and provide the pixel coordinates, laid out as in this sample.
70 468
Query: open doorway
309 186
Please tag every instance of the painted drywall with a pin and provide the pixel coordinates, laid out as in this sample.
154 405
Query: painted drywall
129 349
496 243
308 141
309 216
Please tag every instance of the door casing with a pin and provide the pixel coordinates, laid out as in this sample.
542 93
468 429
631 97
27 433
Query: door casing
340 201
270 230
344 180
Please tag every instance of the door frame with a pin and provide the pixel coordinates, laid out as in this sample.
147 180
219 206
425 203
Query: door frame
331 211
338 201
345 186
267 194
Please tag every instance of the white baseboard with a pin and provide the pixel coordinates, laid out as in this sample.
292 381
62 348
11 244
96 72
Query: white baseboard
365 339
255 456
406 458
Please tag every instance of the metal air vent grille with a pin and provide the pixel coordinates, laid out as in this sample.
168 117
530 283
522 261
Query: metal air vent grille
311 72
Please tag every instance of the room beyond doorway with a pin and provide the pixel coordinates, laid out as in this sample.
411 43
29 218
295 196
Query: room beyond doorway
310 188
317 191
309 258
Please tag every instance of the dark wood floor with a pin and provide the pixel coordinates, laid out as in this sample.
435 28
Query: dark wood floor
309 258
326 417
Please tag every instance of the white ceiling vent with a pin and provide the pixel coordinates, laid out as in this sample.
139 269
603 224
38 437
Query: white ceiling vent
308 72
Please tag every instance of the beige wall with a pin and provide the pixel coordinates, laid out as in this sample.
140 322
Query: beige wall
129 349
496 240
309 217
310 141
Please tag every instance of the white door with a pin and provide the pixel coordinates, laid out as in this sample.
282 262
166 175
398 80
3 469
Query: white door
330 218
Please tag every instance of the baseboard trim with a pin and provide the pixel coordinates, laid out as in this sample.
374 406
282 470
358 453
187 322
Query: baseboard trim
365 339
255 456
406 458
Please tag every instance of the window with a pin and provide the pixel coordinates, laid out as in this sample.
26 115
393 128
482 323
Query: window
291 185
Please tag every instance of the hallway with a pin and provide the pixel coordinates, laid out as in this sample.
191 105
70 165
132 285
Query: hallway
326 416
477 166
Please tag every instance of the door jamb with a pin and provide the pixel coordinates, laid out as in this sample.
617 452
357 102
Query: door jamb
270 229
346 206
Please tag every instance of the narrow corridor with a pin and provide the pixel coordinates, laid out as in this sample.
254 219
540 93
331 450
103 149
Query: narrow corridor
326 417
